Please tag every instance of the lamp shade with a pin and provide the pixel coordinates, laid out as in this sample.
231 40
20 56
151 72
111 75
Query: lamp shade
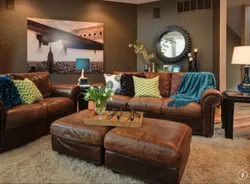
82 63
241 55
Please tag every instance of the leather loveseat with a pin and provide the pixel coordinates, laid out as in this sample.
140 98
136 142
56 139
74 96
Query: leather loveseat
24 123
199 116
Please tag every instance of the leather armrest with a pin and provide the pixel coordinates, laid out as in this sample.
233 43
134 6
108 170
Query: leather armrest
211 96
210 99
70 91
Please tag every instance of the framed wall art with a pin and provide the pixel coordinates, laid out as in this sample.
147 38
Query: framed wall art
54 45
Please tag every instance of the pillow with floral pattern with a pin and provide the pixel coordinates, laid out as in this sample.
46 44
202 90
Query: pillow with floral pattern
113 82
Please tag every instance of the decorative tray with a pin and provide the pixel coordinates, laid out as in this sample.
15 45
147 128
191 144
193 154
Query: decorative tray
106 119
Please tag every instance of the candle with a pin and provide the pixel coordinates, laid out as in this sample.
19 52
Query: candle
195 50
191 59
189 54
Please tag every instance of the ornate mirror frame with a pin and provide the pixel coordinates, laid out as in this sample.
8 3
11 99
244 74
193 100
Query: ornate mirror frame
162 33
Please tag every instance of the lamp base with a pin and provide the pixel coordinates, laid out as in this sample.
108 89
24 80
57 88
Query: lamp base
83 81
244 87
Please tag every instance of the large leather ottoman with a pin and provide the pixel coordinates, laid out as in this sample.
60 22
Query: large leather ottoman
71 137
156 152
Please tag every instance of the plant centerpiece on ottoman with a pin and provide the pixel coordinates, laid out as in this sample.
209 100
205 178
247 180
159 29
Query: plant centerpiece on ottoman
100 97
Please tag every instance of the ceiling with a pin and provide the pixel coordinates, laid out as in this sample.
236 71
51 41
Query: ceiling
133 1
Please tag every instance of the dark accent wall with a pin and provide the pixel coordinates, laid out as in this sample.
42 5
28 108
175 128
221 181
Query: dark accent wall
120 22
199 24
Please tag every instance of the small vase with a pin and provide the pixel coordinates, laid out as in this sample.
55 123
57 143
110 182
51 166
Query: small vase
145 68
100 109
149 68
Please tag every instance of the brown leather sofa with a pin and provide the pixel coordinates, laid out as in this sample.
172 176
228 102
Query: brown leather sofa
199 116
24 123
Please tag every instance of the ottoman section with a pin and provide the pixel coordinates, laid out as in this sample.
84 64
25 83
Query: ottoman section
156 152
71 137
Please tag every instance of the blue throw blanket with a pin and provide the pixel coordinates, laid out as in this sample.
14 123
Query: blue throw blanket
191 88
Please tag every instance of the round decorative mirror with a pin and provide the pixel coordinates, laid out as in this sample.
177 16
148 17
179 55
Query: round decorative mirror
172 44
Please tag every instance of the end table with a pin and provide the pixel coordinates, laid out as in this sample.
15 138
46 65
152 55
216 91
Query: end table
82 104
227 113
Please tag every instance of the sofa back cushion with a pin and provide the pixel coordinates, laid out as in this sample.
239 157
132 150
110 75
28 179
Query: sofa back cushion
164 82
175 83
8 92
28 91
127 84
132 73
40 79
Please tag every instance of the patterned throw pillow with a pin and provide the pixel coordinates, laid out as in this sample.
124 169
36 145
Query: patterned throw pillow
127 84
113 82
28 91
8 92
147 87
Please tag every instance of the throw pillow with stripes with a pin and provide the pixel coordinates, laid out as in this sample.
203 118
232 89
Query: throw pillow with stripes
28 91
146 87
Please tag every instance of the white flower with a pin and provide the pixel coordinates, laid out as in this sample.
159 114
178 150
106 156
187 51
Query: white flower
87 95
91 87
99 87
111 99
106 90
98 101
112 93
130 45
104 94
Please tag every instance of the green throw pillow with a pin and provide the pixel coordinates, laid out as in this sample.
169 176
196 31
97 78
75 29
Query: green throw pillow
28 91
146 87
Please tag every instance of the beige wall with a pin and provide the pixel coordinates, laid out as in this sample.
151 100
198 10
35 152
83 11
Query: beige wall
233 71
238 20
199 24
234 14
120 22
216 40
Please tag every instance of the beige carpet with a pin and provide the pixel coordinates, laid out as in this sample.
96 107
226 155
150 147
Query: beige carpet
216 160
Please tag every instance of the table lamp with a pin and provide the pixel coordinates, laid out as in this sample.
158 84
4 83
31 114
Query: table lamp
241 56
82 64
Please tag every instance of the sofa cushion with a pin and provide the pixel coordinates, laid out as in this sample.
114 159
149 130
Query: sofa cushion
41 80
164 82
175 83
28 91
146 87
8 92
132 73
72 127
113 82
25 114
118 101
146 104
157 141
193 109
127 84
57 107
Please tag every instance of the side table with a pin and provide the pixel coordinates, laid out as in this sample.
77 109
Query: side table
227 113
82 104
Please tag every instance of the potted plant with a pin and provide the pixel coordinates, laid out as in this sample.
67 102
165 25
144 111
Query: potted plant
146 57
99 96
